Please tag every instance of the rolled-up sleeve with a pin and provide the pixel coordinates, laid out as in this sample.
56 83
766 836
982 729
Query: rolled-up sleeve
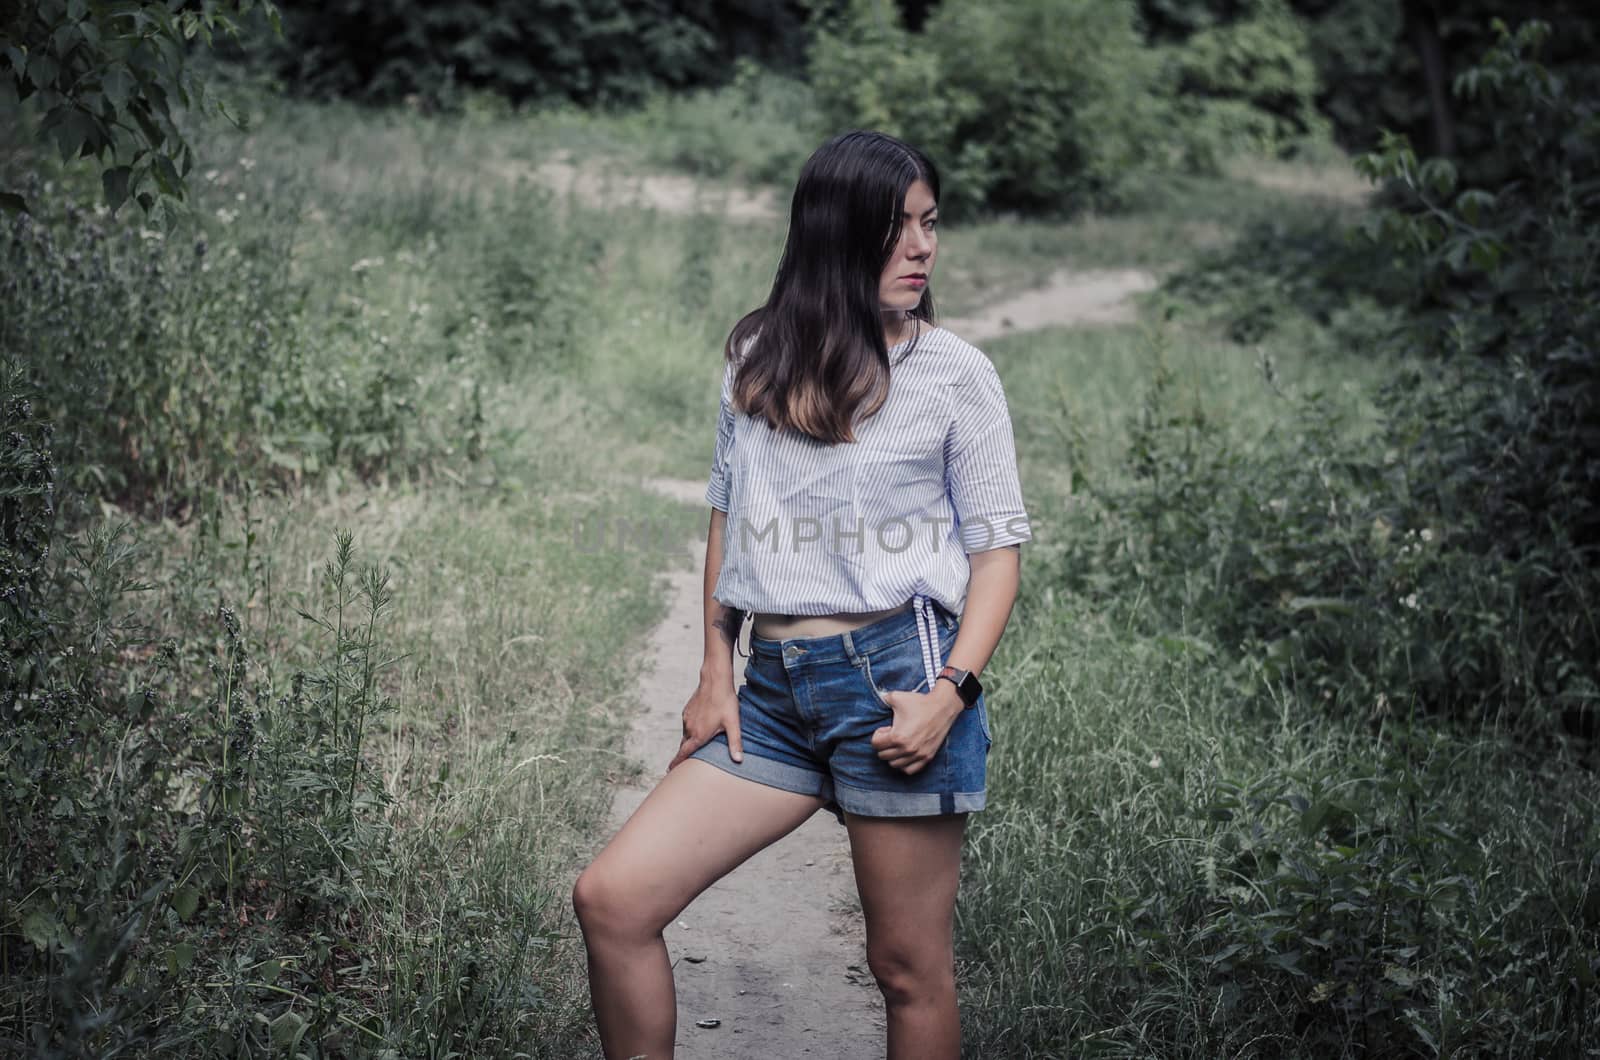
981 466
717 486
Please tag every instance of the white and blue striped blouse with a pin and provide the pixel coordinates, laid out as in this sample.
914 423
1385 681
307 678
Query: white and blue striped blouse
817 529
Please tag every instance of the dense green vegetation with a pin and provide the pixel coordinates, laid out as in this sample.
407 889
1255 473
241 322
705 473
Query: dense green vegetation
311 701
602 52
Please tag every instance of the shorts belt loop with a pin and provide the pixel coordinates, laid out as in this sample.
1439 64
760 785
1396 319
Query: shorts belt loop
928 634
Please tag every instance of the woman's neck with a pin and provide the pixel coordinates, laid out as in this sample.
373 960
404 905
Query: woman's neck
908 327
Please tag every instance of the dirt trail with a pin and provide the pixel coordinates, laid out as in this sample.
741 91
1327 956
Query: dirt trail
1070 298
598 185
775 950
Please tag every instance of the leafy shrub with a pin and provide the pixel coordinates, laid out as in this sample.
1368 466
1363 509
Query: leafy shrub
1503 290
1248 84
183 365
1363 62
868 72
143 813
1227 882
1374 57
1033 104
1176 20
1303 264
599 53
105 81
200 853
760 127
1346 562
1361 915
1442 560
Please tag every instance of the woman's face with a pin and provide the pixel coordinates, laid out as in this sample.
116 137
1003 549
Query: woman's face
911 265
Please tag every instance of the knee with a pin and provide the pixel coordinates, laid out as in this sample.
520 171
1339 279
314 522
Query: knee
589 898
601 906
911 975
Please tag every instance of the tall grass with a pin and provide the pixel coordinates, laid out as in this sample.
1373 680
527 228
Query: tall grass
339 786
1187 853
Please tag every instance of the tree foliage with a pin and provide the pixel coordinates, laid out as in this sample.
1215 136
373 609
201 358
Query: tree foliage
1041 105
1389 64
1505 273
601 52
1248 83
109 81
1444 560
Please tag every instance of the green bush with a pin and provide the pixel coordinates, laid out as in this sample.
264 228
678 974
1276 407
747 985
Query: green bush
1229 881
1441 560
1348 561
1041 105
867 71
604 52
1366 915
181 365
1304 264
1249 84
761 127
108 82
1503 296
1368 53
156 790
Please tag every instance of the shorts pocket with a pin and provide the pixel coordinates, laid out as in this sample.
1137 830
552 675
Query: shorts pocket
896 668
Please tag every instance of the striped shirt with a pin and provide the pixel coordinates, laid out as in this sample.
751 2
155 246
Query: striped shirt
818 529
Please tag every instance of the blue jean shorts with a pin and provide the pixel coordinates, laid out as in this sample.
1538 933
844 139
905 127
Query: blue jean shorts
808 709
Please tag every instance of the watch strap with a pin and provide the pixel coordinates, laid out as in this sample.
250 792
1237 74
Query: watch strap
966 683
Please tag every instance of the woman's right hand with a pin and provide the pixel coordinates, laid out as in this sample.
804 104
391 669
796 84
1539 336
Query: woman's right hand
709 711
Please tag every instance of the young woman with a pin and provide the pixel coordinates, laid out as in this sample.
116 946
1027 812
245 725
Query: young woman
866 511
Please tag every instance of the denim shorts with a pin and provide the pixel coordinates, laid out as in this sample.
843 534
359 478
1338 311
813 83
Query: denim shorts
808 709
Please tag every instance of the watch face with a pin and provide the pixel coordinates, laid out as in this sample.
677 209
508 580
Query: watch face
970 689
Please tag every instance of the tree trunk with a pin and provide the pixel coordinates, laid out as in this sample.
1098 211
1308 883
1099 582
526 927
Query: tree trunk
1422 28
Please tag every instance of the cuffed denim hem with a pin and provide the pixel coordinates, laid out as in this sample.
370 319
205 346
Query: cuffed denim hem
768 771
907 803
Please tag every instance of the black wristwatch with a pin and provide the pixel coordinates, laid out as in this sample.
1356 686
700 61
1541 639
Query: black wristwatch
966 683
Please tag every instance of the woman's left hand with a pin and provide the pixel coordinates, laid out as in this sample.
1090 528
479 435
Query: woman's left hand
922 720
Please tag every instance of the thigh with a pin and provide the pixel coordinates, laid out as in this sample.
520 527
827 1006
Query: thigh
907 872
696 825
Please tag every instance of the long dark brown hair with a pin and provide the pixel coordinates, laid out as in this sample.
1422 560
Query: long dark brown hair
816 354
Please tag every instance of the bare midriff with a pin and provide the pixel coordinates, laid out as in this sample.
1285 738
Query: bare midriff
772 626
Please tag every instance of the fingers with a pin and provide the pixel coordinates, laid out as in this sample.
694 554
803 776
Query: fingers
690 744
686 747
897 756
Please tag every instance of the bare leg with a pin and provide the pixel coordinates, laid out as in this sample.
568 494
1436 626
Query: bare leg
907 872
697 825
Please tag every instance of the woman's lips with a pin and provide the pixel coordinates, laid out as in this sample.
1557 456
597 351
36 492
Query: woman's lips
915 281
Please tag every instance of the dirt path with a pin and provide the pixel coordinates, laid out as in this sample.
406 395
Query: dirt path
775 949
1070 298
599 185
